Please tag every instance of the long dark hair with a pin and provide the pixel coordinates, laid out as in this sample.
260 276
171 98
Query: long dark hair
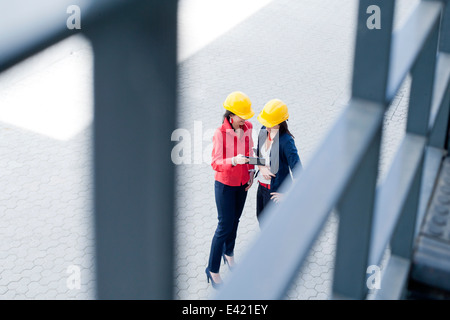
227 115
284 129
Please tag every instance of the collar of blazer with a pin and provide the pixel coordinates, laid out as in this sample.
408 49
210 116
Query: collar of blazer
274 152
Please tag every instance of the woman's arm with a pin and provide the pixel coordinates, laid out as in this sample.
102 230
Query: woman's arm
291 153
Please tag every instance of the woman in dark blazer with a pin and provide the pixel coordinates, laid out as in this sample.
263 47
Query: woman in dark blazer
277 146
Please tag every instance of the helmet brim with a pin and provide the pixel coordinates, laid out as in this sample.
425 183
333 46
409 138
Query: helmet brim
269 124
247 116
243 116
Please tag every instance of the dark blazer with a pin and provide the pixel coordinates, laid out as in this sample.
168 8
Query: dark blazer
283 156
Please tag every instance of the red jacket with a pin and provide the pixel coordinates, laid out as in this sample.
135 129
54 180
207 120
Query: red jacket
226 145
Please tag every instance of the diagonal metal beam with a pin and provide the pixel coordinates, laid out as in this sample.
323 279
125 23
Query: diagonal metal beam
408 41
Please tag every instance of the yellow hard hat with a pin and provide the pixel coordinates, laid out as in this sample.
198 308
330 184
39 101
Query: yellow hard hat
239 103
274 112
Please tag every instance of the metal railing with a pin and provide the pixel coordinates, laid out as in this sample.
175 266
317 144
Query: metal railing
134 44
343 173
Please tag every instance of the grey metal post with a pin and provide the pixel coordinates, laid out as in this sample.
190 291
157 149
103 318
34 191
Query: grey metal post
439 134
135 107
447 112
444 46
370 80
444 42
372 52
421 93
355 223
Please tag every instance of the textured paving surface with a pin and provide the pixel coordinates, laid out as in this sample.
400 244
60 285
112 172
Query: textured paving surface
298 51
46 234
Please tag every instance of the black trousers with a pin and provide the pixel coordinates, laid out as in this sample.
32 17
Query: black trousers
230 204
262 201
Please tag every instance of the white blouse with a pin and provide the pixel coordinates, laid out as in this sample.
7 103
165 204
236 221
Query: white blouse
265 153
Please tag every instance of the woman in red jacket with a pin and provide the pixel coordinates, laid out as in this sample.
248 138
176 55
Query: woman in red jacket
232 142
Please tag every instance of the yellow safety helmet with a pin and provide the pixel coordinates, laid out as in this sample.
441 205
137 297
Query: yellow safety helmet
239 103
274 112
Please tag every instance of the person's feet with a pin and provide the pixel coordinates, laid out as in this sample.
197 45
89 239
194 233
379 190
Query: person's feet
216 277
230 260
216 281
